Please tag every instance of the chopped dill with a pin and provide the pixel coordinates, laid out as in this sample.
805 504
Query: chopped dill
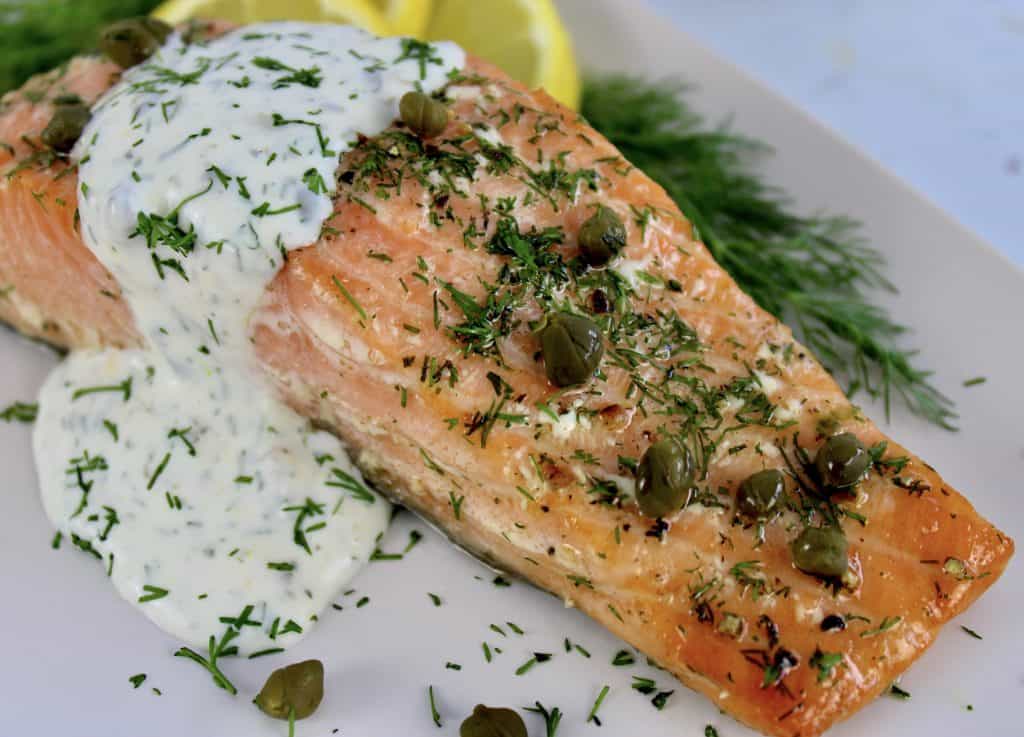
817 273
592 717
20 412
551 718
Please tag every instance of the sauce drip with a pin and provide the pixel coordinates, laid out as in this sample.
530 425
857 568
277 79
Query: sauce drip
210 503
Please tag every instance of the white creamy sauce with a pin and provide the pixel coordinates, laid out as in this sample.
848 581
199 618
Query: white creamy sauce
203 495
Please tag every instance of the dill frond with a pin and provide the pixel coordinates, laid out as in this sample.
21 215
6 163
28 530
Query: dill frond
37 36
816 273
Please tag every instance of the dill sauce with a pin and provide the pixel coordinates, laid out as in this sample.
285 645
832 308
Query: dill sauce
210 503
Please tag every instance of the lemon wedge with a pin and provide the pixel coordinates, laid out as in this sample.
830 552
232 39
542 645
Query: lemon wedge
405 17
525 38
360 13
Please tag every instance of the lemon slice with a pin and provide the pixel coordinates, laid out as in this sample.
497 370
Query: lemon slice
360 13
525 38
405 17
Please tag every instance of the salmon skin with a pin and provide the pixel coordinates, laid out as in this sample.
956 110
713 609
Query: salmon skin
410 330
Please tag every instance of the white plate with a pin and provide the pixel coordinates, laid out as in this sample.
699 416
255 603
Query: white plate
71 644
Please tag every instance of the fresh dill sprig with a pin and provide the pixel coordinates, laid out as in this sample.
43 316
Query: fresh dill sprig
216 650
39 35
816 273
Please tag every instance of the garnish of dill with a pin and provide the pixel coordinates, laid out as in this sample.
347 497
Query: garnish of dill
816 273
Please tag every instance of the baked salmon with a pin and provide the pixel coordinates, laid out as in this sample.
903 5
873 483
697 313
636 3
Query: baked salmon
411 330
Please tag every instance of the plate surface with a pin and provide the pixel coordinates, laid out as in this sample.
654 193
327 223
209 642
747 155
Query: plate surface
72 644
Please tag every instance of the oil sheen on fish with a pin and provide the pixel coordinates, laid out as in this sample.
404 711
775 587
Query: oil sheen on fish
410 329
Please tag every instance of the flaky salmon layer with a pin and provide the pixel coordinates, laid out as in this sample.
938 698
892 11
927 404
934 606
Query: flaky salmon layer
409 329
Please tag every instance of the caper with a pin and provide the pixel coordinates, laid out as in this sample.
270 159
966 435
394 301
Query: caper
65 127
820 551
133 40
664 478
486 721
759 494
425 116
296 689
841 461
833 623
601 237
572 348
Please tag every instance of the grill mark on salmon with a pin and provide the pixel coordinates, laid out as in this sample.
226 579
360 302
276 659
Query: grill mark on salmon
520 494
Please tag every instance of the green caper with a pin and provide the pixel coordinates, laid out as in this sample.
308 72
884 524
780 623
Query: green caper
486 721
296 688
65 127
572 348
425 116
133 40
664 478
759 494
601 237
821 551
842 461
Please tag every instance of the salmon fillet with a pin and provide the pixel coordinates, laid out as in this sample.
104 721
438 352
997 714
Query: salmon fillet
409 330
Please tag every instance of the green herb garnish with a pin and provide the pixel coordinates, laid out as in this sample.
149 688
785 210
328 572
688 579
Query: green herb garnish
551 718
825 663
268 651
433 708
216 649
125 387
660 699
423 53
645 686
623 657
159 470
349 483
152 593
887 624
307 77
592 716
898 693
348 297
528 665
20 412
814 272
308 509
